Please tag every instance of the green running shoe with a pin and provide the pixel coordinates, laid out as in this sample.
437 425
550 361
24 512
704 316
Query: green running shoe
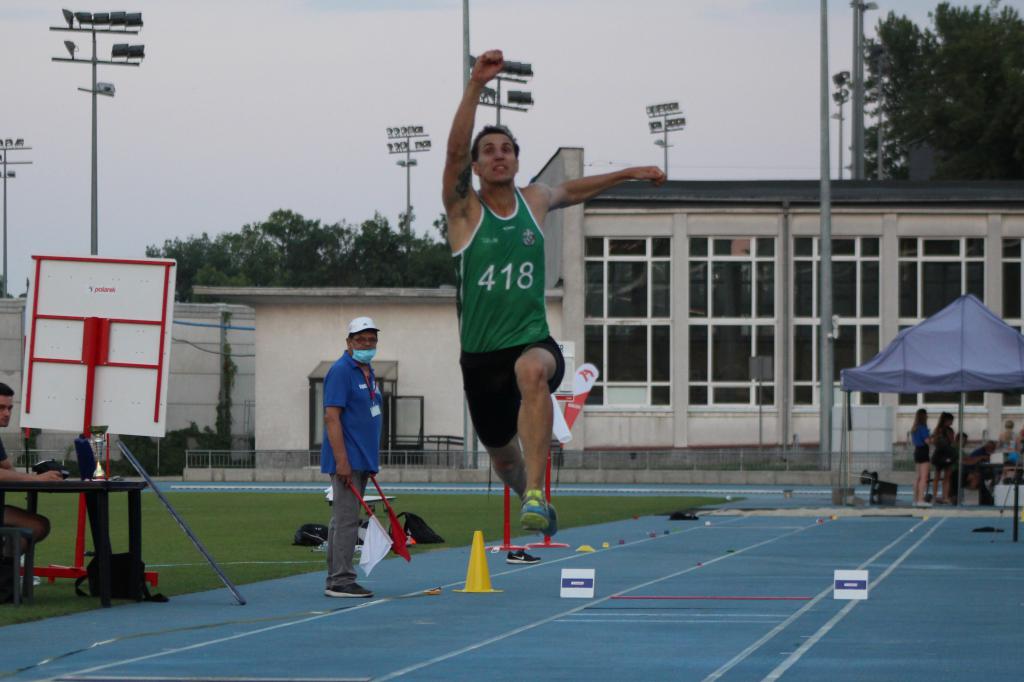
537 514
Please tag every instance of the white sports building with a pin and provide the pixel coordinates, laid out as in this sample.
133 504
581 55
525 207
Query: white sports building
670 291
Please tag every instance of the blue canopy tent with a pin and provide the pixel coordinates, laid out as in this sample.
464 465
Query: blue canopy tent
963 347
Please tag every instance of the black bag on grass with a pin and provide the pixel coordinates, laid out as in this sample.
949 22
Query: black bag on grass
311 534
120 579
418 529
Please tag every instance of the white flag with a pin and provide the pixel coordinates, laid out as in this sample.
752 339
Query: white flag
376 545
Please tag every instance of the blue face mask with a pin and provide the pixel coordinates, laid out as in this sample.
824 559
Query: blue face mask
364 356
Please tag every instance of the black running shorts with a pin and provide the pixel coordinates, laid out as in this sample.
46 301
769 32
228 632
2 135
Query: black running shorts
492 393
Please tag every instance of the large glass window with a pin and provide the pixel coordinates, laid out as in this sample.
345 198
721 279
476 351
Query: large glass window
855 301
932 274
732 318
628 321
935 272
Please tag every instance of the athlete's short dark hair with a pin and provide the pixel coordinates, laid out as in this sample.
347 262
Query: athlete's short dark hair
6 390
488 130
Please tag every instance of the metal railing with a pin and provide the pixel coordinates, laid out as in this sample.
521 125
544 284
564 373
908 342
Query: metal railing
35 456
734 459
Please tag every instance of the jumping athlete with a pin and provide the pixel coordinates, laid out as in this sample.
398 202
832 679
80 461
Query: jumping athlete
510 364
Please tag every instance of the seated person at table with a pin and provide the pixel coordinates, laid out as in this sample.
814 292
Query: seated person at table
975 475
13 516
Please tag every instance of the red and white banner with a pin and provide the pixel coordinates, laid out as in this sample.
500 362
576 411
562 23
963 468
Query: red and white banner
584 380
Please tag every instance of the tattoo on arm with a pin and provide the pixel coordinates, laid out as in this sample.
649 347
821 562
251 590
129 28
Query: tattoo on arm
462 186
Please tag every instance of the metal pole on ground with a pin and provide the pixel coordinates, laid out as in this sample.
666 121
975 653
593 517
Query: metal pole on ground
959 457
181 523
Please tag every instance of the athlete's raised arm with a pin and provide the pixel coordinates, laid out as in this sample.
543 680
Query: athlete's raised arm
460 203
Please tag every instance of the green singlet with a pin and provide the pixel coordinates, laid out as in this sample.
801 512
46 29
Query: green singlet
501 282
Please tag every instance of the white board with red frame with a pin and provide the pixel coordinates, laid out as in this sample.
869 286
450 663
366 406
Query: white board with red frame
97 345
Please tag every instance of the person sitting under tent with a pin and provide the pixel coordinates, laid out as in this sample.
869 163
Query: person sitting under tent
976 475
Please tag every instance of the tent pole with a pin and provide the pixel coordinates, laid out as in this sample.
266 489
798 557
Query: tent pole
960 457
845 447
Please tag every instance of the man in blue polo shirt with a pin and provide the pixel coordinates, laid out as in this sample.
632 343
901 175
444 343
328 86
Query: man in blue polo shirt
351 450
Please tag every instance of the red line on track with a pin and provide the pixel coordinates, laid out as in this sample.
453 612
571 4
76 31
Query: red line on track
710 598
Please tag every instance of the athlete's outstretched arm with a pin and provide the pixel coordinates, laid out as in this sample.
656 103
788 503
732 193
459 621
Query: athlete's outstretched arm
457 178
577 191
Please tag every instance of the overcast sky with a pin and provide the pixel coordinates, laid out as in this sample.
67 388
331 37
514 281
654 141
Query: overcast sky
242 107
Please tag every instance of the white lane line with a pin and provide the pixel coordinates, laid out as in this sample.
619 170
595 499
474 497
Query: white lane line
200 645
659 623
603 613
376 602
824 629
743 655
515 631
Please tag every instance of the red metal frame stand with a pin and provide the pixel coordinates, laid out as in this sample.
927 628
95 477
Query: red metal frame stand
507 545
547 544
95 352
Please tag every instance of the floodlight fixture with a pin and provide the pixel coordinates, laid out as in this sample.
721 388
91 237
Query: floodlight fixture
117 18
126 51
101 19
106 89
12 174
83 18
677 123
20 142
133 20
518 69
520 97
71 48
656 110
8 142
69 17
841 79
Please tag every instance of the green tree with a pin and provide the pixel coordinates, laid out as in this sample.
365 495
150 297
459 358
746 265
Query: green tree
956 87
288 250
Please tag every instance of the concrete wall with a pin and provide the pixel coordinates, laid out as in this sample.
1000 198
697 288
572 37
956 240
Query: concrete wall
194 381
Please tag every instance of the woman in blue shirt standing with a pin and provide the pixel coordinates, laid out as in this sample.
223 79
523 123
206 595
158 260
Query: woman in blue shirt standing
919 436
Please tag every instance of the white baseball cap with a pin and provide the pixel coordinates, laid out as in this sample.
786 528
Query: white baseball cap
361 324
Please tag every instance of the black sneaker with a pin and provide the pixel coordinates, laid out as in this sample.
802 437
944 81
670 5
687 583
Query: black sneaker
352 590
521 557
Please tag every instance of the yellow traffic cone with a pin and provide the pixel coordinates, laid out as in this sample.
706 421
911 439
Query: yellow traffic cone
478 578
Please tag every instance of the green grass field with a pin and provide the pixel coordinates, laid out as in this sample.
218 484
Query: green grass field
250 535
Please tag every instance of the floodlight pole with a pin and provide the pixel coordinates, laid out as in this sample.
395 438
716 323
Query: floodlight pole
465 44
133 20
94 246
7 148
825 263
671 119
406 140
857 109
